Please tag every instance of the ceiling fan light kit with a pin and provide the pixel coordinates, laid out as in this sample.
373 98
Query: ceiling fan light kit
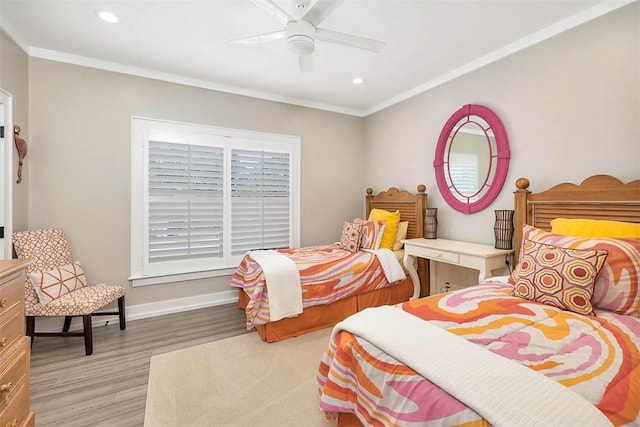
300 38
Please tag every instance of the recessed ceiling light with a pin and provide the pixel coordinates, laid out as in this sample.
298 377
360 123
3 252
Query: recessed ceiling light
106 16
358 80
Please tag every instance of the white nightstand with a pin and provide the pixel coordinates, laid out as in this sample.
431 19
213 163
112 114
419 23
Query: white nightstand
484 258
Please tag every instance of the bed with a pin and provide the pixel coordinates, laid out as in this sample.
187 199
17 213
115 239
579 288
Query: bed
328 297
388 366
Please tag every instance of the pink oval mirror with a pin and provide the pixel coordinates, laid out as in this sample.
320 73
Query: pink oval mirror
472 158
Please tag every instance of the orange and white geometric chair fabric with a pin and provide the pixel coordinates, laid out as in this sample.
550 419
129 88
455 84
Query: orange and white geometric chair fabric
56 285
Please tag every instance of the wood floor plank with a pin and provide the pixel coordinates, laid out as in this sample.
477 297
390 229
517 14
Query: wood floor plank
109 388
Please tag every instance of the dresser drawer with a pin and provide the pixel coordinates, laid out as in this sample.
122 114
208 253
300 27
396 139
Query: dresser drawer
30 421
14 384
16 413
11 327
11 292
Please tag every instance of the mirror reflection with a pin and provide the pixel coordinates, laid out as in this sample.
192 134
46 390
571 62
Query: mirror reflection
471 159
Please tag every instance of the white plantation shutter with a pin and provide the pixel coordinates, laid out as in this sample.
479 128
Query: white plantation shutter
186 201
260 200
463 170
203 196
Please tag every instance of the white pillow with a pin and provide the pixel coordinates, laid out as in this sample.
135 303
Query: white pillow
57 282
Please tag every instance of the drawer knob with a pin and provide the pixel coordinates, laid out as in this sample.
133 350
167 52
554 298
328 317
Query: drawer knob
3 302
3 341
6 388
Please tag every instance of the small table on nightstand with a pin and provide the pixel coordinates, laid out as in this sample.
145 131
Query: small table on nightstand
480 257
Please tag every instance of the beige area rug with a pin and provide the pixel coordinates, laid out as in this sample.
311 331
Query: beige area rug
238 381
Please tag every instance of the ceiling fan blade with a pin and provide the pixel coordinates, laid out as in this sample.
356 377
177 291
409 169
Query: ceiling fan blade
274 10
306 63
320 11
349 40
259 38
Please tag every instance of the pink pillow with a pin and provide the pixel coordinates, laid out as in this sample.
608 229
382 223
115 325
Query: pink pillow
616 285
54 283
350 238
372 232
563 278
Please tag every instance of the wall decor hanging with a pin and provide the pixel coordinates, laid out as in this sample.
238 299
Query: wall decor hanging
21 145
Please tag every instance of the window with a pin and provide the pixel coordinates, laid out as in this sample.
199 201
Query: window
203 196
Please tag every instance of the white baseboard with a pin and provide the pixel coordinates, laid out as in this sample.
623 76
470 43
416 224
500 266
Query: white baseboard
143 311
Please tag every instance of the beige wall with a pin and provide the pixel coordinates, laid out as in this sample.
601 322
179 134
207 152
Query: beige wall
13 79
80 153
570 105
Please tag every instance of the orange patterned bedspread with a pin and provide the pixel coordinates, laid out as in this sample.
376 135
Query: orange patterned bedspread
327 274
595 356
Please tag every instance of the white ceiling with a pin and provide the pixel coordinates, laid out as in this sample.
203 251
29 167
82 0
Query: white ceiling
428 42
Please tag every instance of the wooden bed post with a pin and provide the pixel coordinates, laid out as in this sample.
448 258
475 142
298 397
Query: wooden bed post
423 264
411 207
521 215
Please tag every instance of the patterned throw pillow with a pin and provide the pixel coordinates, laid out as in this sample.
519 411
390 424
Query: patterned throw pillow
617 288
52 284
563 278
351 234
372 232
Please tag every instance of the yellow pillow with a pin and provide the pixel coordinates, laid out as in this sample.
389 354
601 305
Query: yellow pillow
391 220
595 228
403 226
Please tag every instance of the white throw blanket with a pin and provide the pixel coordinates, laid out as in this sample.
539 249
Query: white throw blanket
500 390
283 283
393 271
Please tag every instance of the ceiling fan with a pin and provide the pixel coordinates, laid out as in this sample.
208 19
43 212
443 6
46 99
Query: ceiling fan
302 31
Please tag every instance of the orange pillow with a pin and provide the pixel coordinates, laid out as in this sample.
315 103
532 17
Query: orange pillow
372 232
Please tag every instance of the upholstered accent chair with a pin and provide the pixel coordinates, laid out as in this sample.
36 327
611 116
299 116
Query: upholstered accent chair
56 286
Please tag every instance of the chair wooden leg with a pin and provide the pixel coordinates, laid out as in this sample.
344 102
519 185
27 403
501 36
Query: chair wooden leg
123 322
67 323
31 327
88 334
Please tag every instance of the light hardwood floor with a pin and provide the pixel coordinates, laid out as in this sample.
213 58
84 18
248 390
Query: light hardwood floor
109 388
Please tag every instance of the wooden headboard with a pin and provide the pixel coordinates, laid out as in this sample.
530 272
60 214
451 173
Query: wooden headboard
411 207
597 197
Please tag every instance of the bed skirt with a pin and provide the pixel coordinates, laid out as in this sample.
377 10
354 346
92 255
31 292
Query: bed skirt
325 316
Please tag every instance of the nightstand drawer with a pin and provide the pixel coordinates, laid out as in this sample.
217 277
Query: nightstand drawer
436 255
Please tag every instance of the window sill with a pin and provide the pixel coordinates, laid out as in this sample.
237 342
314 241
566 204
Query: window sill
137 281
